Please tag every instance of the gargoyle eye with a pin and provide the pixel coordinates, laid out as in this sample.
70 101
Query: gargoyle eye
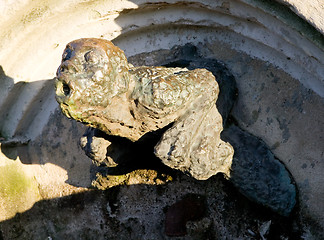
91 57
67 54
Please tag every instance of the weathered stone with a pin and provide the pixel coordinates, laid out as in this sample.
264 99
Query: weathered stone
104 180
18 190
98 148
256 44
188 56
258 174
190 208
120 155
96 85
117 157
119 161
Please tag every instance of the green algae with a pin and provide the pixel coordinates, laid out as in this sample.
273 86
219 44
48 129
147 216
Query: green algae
18 192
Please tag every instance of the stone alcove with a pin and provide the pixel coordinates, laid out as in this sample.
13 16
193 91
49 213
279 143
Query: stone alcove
275 56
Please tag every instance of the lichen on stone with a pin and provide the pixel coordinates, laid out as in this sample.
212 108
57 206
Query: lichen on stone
96 85
18 191
140 114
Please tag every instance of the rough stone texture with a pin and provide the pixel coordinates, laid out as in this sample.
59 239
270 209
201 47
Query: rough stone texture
311 12
275 56
96 85
190 208
279 118
189 57
139 211
258 174
134 217
45 160
18 189
255 172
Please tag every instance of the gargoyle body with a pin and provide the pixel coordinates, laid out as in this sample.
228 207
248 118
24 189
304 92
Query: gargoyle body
134 109
96 85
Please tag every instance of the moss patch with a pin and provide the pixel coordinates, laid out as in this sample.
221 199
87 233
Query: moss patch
139 176
18 192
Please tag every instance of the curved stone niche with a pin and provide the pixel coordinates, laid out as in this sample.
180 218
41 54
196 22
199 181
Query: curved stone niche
275 57
254 170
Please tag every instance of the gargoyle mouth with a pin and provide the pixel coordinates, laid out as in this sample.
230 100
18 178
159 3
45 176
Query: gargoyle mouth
63 90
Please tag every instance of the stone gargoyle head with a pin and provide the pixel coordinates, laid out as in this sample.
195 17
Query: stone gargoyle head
91 74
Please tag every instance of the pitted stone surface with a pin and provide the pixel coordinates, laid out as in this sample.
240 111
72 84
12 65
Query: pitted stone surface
96 85
258 174
29 35
254 170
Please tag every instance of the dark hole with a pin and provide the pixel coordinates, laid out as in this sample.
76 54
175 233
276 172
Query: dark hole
132 113
66 89
179 63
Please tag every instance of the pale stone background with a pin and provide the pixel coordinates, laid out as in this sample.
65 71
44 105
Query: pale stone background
276 57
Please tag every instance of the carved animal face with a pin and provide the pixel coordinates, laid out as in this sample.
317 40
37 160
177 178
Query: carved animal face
92 72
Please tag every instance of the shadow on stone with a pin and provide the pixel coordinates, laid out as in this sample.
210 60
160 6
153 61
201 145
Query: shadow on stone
122 157
212 209
190 208
188 56
53 134
258 174
255 171
119 161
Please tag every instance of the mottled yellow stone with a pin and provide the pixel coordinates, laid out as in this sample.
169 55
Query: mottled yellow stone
18 191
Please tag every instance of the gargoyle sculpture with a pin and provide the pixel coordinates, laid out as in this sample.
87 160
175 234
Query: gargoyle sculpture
97 86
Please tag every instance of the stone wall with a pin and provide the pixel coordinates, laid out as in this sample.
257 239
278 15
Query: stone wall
275 51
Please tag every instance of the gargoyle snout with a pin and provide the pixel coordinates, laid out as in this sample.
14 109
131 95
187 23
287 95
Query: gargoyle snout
67 67
63 86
